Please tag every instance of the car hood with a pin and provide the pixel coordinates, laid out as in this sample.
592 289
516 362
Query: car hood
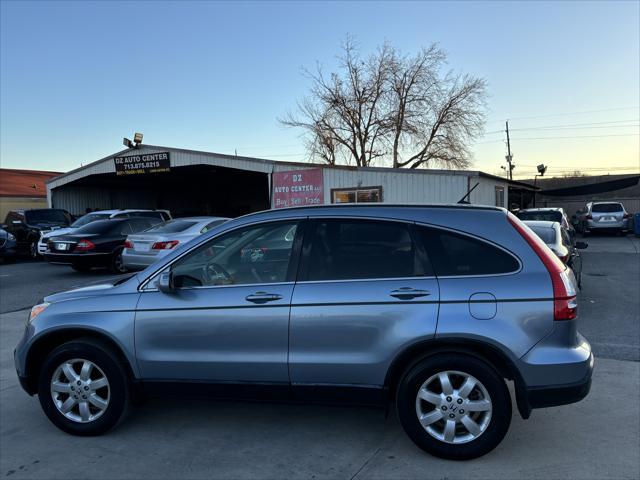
48 225
103 287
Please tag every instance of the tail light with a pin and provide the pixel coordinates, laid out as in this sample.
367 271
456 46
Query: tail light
589 217
565 304
128 243
84 246
165 245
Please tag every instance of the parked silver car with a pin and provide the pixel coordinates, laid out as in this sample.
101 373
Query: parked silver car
432 308
145 248
605 216
558 240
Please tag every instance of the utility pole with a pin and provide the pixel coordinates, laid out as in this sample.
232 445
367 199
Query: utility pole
509 157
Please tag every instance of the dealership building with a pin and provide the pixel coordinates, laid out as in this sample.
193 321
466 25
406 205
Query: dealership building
189 182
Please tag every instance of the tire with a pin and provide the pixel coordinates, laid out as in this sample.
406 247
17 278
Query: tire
493 423
81 268
33 251
95 421
117 265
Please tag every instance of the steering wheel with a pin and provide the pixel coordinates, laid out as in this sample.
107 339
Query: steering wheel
214 273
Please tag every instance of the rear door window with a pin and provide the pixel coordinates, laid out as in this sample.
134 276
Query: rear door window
361 249
453 254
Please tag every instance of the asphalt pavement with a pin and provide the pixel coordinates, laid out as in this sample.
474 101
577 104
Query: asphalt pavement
193 438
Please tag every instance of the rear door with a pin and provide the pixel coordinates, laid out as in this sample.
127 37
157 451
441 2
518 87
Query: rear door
486 293
363 293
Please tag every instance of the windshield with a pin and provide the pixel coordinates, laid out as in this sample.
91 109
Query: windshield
100 227
45 216
547 234
548 216
172 226
91 217
606 208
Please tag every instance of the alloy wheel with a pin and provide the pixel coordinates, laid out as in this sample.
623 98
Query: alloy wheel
453 407
80 390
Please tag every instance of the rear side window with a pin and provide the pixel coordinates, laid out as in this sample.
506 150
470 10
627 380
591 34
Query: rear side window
360 249
606 208
453 254
172 226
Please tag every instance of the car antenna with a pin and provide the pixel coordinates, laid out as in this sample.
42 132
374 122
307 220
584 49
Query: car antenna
463 199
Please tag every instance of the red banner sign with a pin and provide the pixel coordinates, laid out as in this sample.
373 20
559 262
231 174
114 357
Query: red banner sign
298 188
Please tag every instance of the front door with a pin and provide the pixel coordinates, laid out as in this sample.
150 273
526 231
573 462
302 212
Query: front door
365 292
227 318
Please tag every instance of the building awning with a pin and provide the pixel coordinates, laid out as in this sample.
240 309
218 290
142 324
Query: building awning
593 188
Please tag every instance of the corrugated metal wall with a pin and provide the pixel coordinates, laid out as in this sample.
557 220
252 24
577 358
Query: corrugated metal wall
401 186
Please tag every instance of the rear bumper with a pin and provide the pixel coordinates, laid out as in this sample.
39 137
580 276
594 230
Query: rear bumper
621 225
135 261
556 371
542 397
84 259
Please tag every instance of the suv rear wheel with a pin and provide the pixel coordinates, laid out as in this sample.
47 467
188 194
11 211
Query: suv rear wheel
454 406
82 388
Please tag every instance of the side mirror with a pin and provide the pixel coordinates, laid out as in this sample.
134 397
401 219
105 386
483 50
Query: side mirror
165 282
581 245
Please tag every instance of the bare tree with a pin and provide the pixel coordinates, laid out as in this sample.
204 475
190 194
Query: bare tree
391 108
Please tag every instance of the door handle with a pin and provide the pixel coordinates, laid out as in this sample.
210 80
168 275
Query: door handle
407 293
262 297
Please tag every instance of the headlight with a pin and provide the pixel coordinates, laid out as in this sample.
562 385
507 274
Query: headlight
37 310
10 236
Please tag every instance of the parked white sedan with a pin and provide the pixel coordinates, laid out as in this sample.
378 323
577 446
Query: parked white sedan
144 248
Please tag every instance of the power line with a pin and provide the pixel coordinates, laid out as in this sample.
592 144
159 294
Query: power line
636 107
571 125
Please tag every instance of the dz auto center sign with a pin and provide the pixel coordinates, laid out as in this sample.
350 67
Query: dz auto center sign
298 188
137 164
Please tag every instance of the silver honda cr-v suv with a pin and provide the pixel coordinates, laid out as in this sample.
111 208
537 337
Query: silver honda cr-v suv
433 308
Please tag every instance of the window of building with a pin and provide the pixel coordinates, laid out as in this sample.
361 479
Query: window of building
453 254
499 196
358 249
356 195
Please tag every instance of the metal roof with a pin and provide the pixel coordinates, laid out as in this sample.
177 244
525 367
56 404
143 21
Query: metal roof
266 165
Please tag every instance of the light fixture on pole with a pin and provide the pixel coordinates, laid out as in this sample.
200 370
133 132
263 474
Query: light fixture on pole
542 168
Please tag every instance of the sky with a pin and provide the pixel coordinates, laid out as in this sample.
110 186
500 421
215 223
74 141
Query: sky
77 77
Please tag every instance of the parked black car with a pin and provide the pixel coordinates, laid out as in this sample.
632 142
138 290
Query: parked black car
97 244
28 225
550 214
7 245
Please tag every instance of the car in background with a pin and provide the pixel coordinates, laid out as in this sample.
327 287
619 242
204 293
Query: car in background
7 245
162 215
549 214
97 244
605 217
29 225
143 249
557 239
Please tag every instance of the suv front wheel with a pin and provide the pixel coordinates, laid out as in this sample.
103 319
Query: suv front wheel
82 388
454 406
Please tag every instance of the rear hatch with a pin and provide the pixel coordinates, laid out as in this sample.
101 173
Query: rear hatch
607 213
